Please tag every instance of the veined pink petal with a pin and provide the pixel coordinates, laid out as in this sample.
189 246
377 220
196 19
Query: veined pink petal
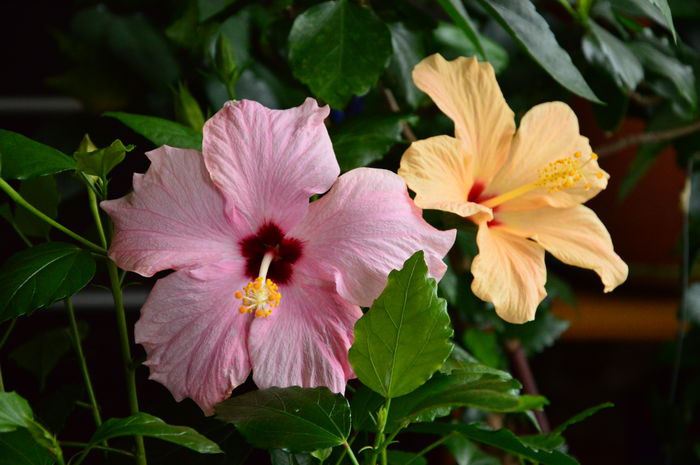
509 272
194 335
305 341
268 163
174 218
366 226
574 235
441 173
467 91
548 132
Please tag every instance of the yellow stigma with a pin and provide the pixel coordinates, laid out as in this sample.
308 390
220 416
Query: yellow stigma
558 175
261 295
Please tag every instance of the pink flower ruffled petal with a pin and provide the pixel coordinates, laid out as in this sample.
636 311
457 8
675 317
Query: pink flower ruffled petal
305 341
268 163
366 226
194 335
173 219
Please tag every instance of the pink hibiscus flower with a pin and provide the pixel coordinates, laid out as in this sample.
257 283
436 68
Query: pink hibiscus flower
264 280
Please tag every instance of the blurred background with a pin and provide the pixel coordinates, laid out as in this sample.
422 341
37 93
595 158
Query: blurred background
69 62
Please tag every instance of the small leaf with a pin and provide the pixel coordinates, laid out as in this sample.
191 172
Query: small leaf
15 412
187 110
42 193
23 158
532 33
20 448
408 51
360 142
338 49
160 131
502 439
102 161
614 56
41 275
554 439
147 425
294 418
405 336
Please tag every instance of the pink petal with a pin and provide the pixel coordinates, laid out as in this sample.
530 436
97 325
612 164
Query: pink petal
305 341
268 163
366 226
174 218
194 335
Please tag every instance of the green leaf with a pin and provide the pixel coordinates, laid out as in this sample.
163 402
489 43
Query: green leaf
23 158
453 39
15 412
533 34
642 162
502 439
658 10
294 418
405 336
41 275
408 51
42 193
209 8
614 56
187 110
20 448
160 131
101 162
338 49
456 11
360 142
484 346
399 457
40 354
554 439
466 452
143 424
281 457
537 335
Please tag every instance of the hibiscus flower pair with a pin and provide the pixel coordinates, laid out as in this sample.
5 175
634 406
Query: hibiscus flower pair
267 282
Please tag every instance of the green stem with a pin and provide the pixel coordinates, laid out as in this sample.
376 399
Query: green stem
14 195
379 440
129 368
2 343
96 215
569 9
21 235
83 363
351 454
83 445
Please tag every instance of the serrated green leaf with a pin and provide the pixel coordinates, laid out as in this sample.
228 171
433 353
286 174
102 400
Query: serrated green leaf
15 412
20 448
360 142
532 33
102 161
614 56
143 424
23 158
408 51
294 418
160 131
42 193
41 275
502 439
338 49
40 354
405 336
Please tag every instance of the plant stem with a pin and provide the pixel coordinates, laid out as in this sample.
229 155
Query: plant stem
96 215
379 440
14 195
524 374
351 454
83 445
569 9
647 138
83 363
2 343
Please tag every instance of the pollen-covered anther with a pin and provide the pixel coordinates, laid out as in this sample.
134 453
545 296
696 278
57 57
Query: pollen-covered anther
259 297
565 173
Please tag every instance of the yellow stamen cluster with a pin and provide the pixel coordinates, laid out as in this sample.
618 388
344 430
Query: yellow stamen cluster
259 297
565 173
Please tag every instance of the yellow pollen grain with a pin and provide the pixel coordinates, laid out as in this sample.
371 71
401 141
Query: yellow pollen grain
599 175
259 297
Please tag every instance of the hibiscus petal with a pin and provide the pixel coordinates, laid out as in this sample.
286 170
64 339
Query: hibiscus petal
467 91
440 172
174 218
574 235
194 335
366 226
548 132
268 163
510 272
305 341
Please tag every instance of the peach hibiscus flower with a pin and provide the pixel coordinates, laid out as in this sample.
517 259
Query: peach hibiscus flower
524 189
264 281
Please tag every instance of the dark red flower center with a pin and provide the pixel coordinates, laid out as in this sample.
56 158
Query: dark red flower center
270 238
